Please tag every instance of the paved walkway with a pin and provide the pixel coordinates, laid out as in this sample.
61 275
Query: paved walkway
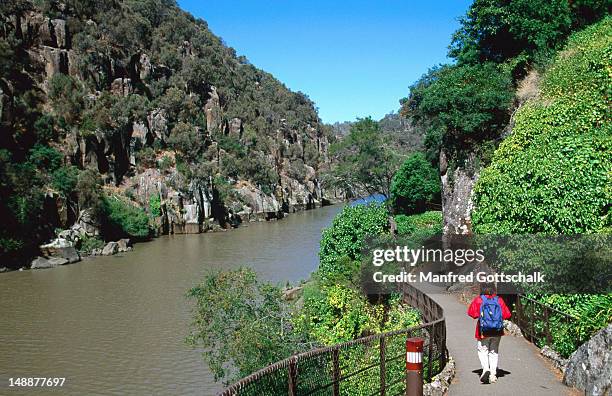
524 370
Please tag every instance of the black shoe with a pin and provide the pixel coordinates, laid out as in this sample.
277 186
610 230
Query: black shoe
484 378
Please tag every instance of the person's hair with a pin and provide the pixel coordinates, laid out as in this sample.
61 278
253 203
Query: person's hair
487 288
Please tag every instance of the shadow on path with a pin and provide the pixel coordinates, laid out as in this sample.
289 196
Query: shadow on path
500 373
525 372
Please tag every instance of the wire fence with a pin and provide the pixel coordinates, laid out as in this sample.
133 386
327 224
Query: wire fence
373 365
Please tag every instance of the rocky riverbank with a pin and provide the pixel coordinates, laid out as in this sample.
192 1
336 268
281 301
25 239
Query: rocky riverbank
63 249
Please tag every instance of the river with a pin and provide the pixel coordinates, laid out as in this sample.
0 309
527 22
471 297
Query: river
116 325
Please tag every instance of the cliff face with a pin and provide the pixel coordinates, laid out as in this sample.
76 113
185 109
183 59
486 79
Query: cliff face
457 186
149 98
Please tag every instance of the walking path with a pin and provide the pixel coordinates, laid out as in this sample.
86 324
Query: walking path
521 370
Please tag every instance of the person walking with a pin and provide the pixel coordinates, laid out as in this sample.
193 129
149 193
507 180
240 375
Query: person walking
491 311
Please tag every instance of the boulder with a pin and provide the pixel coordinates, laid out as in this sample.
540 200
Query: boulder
110 249
123 245
213 112
55 247
70 254
43 263
57 261
70 235
590 366
143 67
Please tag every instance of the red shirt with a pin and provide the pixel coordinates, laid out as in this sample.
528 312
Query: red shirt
474 312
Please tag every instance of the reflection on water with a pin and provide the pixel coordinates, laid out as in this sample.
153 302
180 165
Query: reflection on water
116 325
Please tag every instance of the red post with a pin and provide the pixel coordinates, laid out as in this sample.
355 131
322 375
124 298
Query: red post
414 366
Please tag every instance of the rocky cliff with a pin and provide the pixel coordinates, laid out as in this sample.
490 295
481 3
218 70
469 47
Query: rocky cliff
146 96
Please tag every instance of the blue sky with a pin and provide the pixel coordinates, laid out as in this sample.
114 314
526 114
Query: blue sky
353 58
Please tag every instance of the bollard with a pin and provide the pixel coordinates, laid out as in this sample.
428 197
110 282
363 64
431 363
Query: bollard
414 366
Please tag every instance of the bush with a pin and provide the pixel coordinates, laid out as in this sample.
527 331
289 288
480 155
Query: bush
592 312
89 189
45 157
428 222
552 174
124 219
336 314
65 179
414 185
155 206
146 157
346 237
88 244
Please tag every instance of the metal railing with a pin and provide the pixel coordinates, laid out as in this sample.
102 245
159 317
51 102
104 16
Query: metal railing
541 324
373 365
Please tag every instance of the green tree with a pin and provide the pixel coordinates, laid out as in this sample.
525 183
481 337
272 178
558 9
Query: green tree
415 184
242 321
365 162
465 103
345 239
498 30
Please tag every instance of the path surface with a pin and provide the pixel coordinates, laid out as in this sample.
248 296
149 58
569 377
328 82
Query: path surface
524 370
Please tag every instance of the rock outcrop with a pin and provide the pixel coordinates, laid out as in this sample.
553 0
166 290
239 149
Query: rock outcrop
457 186
110 249
131 105
590 366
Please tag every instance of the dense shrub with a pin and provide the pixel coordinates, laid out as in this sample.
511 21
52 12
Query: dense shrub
87 244
124 219
428 222
415 184
591 312
552 174
346 236
65 179
337 313
155 206
89 188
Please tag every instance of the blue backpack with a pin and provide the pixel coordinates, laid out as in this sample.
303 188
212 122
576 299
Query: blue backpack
490 314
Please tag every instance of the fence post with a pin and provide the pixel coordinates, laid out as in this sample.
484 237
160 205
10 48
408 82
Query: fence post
414 366
383 369
430 352
547 328
293 376
335 373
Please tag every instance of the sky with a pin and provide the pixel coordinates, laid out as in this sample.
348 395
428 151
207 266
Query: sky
353 58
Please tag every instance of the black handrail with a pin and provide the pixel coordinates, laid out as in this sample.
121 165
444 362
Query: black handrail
376 361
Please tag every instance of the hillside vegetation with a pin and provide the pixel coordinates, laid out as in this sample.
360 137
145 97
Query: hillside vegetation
154 106
553 174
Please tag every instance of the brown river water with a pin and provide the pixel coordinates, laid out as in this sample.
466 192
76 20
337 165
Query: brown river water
116 325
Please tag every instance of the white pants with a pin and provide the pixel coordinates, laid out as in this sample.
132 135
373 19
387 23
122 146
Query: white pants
487 353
